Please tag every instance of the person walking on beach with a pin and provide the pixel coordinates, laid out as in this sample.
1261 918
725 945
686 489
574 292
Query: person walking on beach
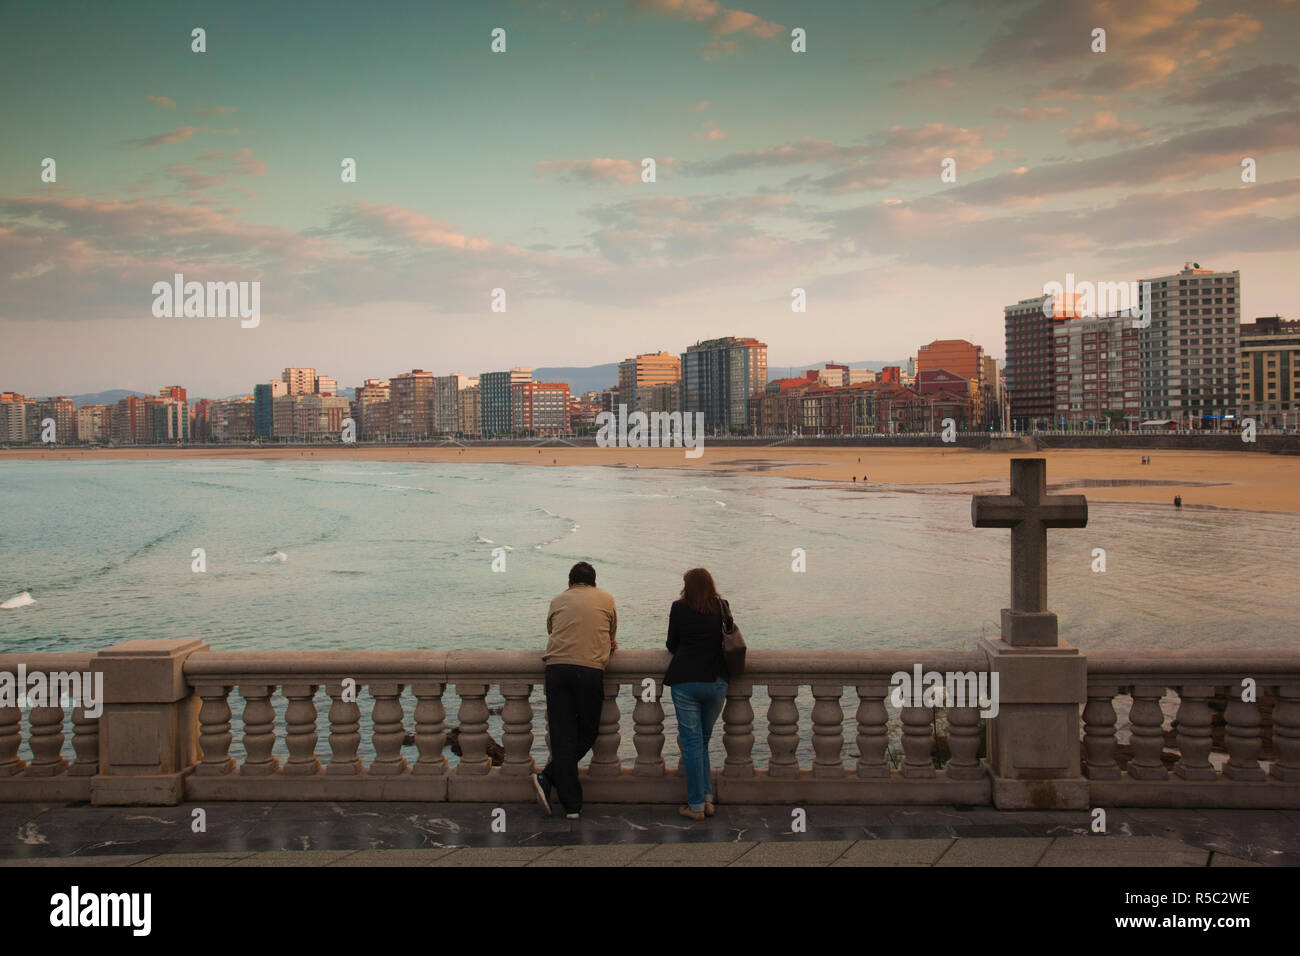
697 675
582 624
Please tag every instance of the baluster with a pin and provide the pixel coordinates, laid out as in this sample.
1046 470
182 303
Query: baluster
214 730
783 731
259 731
387 731
918 742
1148 739
1286 733
604 753
1099 732
873 733
1194 739
345 731
11 737
964 744
738 729
517 716
473 729
430 729
648 731
1242 738
828 731
46 742
85 743
300 729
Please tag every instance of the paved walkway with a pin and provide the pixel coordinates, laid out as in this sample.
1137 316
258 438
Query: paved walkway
423 834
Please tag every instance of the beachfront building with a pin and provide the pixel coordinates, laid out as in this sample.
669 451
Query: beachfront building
961 358
666 397
468 421
778 410
13 417
264 396
498 415
412 404
94 422
230 420
326 385
372 409
132 420
718 378
1189 356
60 410
1270 371
299 381
645 372
1031 363
310 417
446 402
169 420
1096 381
544 407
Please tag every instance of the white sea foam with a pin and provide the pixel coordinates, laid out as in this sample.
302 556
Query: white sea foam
483 540
22 599
274 556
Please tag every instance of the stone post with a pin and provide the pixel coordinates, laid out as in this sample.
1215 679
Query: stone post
1042 681
149 730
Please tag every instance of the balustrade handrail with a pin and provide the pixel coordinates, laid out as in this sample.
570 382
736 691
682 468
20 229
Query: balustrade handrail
1108 666
493 666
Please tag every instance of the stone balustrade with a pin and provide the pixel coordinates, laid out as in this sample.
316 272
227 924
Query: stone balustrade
169 732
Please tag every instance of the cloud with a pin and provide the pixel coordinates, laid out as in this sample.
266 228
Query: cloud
720 21
210 168
178 135
710 132
699 107
163 102
1032 114
216 110
937 79
1269 83
601 171
1104 125
1184 157
898 153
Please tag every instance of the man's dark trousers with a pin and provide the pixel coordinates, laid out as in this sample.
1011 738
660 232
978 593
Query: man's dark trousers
574 697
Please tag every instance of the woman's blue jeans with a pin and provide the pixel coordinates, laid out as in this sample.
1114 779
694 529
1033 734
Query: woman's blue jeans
698 704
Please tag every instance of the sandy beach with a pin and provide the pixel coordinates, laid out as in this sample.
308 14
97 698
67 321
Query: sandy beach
1246 480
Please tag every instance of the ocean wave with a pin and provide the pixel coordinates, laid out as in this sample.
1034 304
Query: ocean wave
276 556
21 599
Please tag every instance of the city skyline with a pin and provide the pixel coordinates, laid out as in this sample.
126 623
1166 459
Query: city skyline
521 171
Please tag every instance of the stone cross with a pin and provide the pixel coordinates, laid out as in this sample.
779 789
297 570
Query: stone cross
1029 511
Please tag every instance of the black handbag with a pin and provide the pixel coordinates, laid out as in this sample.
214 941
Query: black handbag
733 644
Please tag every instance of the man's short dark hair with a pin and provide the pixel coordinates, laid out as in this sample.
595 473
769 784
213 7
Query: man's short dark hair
582 573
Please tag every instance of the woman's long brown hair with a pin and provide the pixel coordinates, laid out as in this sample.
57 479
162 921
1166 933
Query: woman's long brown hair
698 591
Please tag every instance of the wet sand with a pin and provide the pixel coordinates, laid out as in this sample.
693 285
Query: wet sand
1254 481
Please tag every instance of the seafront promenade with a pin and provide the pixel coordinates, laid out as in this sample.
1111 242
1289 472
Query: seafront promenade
1078 747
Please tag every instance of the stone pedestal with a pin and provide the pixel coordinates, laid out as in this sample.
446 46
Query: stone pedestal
149 731
1033 742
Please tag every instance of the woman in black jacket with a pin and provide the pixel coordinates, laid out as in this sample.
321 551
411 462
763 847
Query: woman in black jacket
698 678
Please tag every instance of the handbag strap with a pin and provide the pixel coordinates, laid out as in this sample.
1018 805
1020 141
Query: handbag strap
728 623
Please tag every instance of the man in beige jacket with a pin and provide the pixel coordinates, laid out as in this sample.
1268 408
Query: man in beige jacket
582 624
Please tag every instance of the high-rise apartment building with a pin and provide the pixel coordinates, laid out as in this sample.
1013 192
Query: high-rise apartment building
1270 371
446 402
371 409
1031 360
544 407
94 422
301 381
718 378
499 412
264 396
326 385
1190 362
645 371
412 404
1096 380
469 422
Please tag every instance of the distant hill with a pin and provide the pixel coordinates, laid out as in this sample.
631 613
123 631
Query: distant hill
590 378
110 397
788 371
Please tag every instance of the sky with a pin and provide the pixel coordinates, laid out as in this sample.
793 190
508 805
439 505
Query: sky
521 170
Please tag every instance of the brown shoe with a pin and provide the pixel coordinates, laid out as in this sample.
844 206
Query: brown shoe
709 810
690 814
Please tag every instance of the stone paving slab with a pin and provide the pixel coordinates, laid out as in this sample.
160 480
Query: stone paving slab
423 831
997 851
810 853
